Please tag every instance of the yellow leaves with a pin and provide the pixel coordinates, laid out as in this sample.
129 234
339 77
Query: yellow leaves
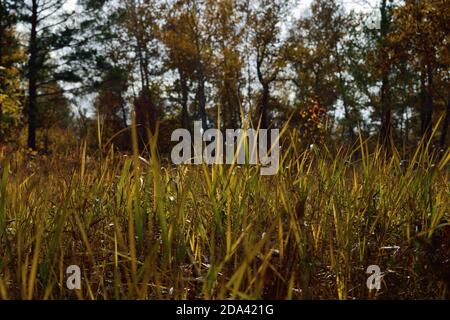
9 104
32 152
313 122
10 87
420 27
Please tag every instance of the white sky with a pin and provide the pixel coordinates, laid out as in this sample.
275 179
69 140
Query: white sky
359 5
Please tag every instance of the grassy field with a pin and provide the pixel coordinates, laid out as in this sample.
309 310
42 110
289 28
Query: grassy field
142 229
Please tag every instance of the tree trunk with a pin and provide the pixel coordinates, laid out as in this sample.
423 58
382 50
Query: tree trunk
445 125
32 78
201 96
386 115
343 94
124 115
426 113
351 133
184 100
385 98
265 106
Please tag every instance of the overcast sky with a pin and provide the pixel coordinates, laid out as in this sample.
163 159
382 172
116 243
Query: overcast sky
364 5
358 5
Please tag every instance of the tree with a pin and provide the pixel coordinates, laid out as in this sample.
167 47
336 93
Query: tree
264 26
229 21
373 68
188 37
420 39
48 32
110 102
142 24
385 65
181 57
53 111
317 51
10 57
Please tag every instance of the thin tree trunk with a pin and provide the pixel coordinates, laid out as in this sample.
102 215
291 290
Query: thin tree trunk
124 115
32 79
386 114
201 96
385 98
445 125
184 100
343 94
350 131
426 113
265 106
429 100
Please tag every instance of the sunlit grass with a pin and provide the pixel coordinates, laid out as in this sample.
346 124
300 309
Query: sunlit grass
140 229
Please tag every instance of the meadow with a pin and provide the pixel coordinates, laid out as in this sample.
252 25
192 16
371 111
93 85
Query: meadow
141 228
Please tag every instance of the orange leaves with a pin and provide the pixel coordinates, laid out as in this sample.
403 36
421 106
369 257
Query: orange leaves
313 122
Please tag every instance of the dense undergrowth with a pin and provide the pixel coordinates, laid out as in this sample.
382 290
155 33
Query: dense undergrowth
140 229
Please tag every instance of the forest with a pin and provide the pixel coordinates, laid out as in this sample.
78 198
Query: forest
92 91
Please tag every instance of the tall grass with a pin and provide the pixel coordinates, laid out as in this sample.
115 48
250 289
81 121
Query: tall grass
142 230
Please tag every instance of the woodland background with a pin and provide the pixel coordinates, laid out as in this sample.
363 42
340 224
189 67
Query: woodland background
381 72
